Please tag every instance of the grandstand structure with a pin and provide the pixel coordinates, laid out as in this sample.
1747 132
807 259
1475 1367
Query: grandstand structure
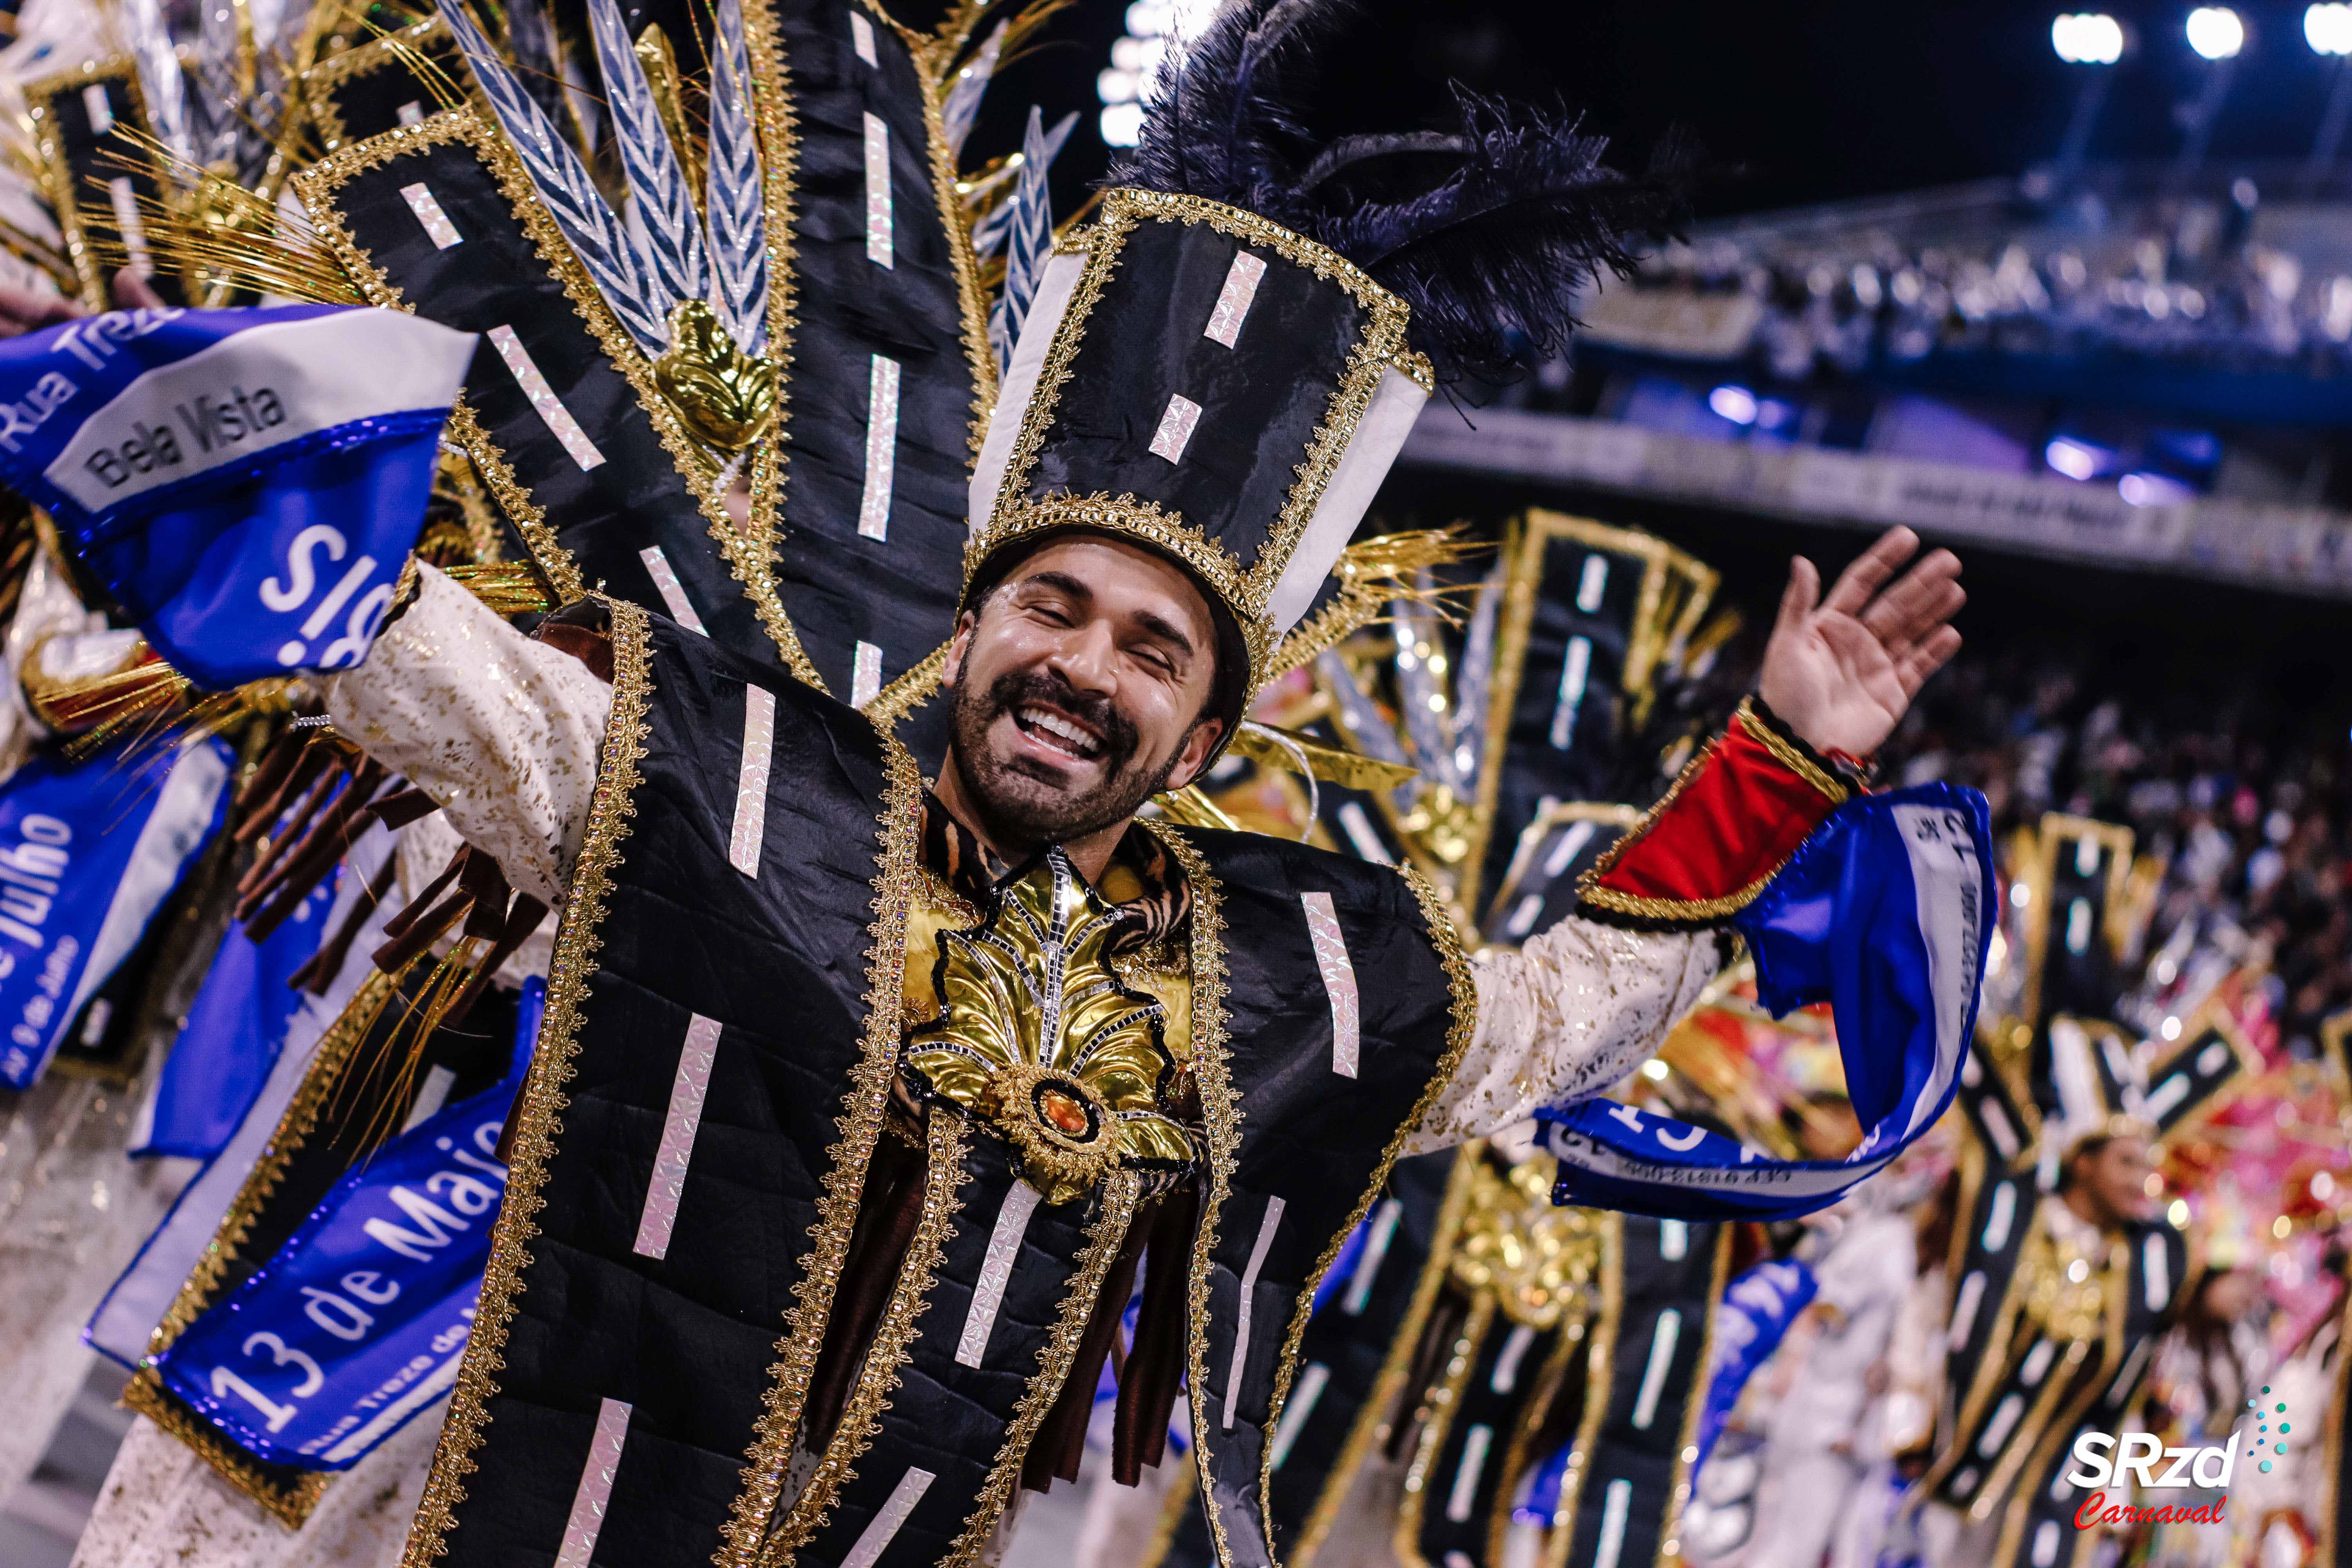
2139 366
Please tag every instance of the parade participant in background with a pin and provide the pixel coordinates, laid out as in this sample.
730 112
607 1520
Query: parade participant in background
1814 1457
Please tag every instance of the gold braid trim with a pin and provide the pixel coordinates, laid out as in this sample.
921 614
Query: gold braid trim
2033 1455
542 1100
930 56
1700 911
1165 531
1600 1376
943 1180
1677 1498
1463 1022
910 690
1183 1492
405 48
1103 1239
1436 1418
529 517
1568 1338
1381 345
897 831
1374 1420
779 134
320 1080
1220 1114
1790 754
288 1504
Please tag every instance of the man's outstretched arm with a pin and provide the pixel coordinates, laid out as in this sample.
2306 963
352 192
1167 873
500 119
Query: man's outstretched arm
1582 1004
502 730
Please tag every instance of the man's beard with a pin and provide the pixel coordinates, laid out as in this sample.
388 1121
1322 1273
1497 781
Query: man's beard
1025 810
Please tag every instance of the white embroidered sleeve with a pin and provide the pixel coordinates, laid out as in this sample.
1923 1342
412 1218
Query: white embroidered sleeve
1567 1016
501 729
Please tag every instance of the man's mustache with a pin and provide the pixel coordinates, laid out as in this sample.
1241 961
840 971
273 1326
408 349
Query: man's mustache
1048 688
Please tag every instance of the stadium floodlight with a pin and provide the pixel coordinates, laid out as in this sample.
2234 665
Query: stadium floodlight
2216 32
2076 459
2087 38
1736 403
2328 29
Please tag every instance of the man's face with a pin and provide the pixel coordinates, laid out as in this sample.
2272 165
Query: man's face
2115 1178
1079 690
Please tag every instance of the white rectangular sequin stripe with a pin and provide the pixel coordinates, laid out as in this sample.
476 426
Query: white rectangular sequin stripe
876 1537
881 447
1368 1263
542 397
687 1092
595 1485
861 38
1507 1363
429 215
752 781
1339 981
94 105
1267 1226
1475 1444
1313 1378
128 221
1233 298
864 674
878 192
1175 427
1616 1504
673 592
996 1272
1662 1340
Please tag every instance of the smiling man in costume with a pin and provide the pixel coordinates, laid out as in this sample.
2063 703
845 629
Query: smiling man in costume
860 1108
934 1135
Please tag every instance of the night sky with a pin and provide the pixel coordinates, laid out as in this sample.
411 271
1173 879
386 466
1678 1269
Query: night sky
1809 101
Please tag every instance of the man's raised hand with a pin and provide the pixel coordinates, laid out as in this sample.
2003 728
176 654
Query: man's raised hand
1841 671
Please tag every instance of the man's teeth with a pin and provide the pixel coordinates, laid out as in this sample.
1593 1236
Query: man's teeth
1080 742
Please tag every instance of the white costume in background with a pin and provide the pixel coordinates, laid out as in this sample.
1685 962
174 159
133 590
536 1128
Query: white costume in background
1814 1456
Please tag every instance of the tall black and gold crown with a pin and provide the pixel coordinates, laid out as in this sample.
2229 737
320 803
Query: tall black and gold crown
1224 365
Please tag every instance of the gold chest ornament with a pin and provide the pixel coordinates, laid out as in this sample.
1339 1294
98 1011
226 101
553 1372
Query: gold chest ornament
1037 1035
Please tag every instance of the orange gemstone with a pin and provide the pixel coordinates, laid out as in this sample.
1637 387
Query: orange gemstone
1065 1113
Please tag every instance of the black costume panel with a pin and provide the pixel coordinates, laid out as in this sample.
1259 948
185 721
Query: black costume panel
600 504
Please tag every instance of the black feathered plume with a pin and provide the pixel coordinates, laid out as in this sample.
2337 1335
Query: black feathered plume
1488 231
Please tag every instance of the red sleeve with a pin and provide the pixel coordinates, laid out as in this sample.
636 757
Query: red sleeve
1733 818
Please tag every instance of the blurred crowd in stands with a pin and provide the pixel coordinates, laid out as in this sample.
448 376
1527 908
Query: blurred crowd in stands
2213 280
2242 803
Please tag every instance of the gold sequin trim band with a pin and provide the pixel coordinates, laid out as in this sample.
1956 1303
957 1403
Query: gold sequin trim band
539 1122
1103 1238
1463 1023
894 883
861 1417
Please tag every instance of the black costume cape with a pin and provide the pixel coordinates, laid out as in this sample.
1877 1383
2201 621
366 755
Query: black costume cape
696 1365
